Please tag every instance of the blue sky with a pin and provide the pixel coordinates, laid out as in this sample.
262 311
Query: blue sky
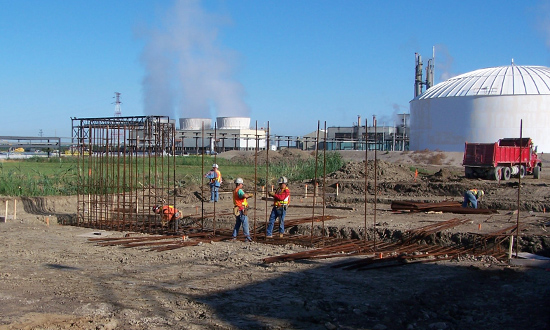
291 63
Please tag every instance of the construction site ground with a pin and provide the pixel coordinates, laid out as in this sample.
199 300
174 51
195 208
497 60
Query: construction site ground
55 276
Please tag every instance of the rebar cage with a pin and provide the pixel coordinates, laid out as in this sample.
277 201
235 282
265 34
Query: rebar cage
126 166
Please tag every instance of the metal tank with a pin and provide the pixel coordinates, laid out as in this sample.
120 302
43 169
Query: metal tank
194 124
483 106
233 122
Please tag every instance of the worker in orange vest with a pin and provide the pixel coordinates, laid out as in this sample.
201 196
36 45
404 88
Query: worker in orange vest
168 213
281 199
215 177
240 206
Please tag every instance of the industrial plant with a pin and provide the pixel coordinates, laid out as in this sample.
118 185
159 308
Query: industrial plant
483 106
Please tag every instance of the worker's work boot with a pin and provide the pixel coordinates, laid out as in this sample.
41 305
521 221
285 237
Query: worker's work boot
281 235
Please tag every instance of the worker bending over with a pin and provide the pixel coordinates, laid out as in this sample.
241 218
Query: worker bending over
471 198
281 199
168 213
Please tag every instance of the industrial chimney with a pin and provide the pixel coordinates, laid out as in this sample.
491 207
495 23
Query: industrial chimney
418 75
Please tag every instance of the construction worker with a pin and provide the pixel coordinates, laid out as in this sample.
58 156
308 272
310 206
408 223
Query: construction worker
281 199
215 177
240 206
168 212
471 198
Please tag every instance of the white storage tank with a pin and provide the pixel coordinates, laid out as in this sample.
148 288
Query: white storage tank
233 122
194 124
483 106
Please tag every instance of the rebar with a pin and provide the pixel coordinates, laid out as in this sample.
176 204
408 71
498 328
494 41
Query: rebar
116 190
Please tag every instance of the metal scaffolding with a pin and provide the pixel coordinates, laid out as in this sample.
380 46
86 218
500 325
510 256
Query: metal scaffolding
126 166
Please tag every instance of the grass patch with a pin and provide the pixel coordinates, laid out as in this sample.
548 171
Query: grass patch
40 176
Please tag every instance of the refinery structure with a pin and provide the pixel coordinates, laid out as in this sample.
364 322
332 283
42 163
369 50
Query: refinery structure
481 106
197 135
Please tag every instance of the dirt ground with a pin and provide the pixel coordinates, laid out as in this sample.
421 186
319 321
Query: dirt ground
54 276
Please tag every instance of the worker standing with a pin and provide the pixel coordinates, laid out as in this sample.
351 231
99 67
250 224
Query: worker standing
215 177
471 198
240 206
281 199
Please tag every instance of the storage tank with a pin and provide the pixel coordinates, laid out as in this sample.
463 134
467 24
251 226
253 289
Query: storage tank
194 124
233 122
483 106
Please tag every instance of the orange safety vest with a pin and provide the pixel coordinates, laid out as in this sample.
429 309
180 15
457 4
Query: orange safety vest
242 203
218 176
286 200
168 212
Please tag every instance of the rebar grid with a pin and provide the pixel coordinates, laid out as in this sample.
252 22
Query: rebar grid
126 166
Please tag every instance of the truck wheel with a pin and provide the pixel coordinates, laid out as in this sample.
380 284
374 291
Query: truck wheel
521 171
506 173
496 173
468 172
536 172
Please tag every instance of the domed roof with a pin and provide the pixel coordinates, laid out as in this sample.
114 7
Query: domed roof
502 80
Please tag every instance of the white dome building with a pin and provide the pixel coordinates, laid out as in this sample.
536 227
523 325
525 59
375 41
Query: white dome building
483 106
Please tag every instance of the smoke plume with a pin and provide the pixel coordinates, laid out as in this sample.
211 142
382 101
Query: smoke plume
186 67
542 13
443 62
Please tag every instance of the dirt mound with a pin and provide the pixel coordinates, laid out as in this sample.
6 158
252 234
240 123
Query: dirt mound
443 175
384 171
428 157
283 156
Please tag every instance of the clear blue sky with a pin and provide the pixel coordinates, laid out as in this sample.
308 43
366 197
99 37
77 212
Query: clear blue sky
288 62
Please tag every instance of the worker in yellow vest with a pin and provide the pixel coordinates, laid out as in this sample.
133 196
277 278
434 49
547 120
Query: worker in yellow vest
471 198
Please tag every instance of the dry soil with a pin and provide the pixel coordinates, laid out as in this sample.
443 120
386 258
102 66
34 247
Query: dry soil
53 276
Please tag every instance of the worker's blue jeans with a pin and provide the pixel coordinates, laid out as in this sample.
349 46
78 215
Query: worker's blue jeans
241 219
214 193
276 212
469 200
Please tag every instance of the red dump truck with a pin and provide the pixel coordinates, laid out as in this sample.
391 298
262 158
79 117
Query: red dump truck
501 160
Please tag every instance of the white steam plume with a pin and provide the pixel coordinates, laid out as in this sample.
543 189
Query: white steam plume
443 62
542 13
186 67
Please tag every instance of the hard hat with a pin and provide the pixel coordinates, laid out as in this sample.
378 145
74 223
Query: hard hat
239 180
282 179
480 193
214 165
156 209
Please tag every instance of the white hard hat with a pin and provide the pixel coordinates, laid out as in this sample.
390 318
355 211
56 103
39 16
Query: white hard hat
214 165
239 180
282 179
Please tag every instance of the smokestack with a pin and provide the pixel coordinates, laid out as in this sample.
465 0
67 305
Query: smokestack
418 75
429 74
358 127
